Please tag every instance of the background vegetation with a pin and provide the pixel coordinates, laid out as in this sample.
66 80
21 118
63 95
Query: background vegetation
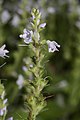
63 25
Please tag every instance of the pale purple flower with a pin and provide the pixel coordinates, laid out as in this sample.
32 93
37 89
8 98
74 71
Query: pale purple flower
15 21
63 84
3 111
51 10
78 24
52 46
20 81
11 118
42 25
27 36
33 17
3 51
5 101
24 68
5 16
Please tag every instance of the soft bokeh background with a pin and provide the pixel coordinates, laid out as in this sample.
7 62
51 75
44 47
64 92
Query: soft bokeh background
63 25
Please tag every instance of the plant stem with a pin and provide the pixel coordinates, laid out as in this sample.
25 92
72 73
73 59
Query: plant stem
31 116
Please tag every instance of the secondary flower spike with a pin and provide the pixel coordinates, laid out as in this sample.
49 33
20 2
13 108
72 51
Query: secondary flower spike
3 51
27 36
52 46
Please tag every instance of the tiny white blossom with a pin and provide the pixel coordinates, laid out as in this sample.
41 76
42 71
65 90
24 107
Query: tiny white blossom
31 65
3 51
52 46
42 25
20 81
27 36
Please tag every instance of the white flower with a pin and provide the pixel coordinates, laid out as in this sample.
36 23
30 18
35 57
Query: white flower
20 81
42 25
11 118
52 46
3 52
27 36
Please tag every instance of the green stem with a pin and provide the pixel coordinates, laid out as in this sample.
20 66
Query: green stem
35 99
31 116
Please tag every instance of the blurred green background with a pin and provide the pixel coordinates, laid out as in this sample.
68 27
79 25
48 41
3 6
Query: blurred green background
63 25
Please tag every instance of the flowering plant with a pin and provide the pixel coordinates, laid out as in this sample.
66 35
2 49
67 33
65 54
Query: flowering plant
34 99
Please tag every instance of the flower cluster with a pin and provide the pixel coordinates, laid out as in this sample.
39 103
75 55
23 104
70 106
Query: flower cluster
28 35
